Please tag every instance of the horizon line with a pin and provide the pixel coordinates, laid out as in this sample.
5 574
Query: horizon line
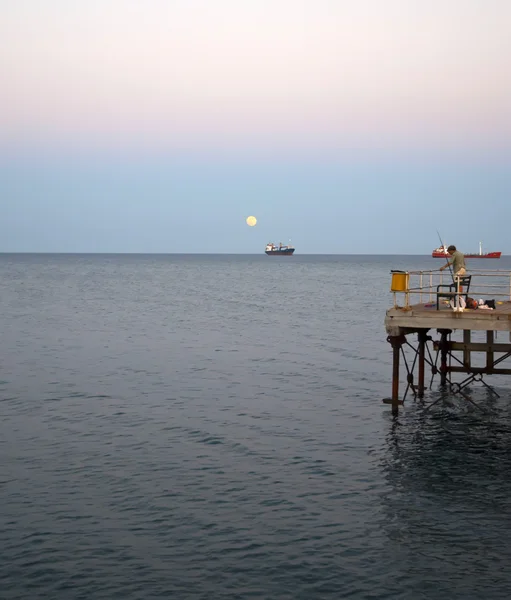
73 253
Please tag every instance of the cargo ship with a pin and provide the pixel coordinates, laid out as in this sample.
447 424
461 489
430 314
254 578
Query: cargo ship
280 250
441 252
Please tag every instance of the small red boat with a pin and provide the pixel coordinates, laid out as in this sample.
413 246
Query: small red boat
441 252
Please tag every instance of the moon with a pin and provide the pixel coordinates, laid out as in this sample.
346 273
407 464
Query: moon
251 221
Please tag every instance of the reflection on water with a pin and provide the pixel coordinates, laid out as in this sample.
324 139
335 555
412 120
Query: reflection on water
447 507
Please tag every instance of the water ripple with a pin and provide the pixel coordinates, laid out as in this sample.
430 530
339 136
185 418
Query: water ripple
170 430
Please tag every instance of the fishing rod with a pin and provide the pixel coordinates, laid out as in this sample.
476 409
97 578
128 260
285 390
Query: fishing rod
446 257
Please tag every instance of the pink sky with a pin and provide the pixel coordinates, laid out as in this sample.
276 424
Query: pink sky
233 74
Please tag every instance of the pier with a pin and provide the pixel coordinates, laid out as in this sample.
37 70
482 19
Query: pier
435 336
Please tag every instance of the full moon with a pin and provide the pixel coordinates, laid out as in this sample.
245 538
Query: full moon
251 221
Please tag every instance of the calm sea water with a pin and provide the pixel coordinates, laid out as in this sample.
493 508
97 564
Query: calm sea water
211 427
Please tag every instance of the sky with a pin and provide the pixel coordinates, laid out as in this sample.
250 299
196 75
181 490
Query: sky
346 126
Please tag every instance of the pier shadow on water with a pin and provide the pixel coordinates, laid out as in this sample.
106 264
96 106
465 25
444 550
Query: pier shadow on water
447 505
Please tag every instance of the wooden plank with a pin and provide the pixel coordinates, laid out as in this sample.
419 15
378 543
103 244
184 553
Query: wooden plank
483 370
420 317
394 325
489 354
466 347
480 346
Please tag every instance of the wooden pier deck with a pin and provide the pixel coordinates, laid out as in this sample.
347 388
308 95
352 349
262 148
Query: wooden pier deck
446 356
403 320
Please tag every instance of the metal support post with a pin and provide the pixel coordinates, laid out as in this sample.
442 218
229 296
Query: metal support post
422 335
396 342
444 351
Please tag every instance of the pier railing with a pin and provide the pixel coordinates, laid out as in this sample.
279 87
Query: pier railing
421 286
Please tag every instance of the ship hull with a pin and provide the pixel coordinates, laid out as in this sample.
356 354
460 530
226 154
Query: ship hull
485 255
280 252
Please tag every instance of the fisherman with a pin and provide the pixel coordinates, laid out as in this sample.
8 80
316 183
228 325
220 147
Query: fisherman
457 263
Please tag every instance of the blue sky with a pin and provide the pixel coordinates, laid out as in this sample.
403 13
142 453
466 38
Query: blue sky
347 127
171 206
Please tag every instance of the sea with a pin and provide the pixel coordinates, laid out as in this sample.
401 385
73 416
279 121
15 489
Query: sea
211 427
